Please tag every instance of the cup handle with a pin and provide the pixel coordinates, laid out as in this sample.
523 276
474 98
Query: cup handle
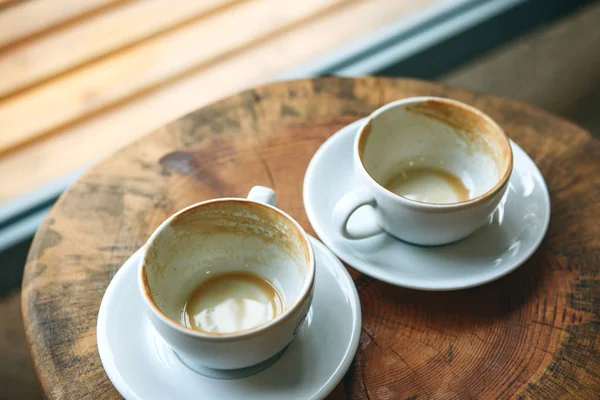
262 194
344 209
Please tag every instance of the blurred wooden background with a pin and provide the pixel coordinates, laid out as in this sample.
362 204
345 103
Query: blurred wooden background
79 79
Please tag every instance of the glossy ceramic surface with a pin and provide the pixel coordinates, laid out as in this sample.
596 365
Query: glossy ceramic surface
426 132
511 236
142 366
218 236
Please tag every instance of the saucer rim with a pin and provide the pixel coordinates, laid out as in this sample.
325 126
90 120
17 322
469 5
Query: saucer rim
411 283
119 383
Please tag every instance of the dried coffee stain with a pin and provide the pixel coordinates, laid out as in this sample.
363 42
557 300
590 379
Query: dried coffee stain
471 127
364 136
180 161
187 163
287 111
458 118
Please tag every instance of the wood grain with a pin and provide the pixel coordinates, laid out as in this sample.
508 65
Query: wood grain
29 17
532 334
146 66
94 37
102 132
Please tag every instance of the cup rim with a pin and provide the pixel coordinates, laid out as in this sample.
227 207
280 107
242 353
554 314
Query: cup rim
499 185
246 333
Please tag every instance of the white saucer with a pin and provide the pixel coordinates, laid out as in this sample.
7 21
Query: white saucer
141 365
514 233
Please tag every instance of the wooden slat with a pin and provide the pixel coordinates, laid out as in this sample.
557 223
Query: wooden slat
6 3
32 16
22 66
44 160
145 66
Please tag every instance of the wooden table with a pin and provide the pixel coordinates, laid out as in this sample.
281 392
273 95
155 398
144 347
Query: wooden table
533 334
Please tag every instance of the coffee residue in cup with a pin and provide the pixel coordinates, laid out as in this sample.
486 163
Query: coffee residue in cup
429 185
232 302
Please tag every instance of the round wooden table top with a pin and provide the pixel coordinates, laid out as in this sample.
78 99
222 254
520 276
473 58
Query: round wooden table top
532 334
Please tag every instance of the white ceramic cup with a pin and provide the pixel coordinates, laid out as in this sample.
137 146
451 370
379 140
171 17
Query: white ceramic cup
426 132
226 235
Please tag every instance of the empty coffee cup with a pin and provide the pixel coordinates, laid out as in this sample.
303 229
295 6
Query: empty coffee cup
432 169
227 282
